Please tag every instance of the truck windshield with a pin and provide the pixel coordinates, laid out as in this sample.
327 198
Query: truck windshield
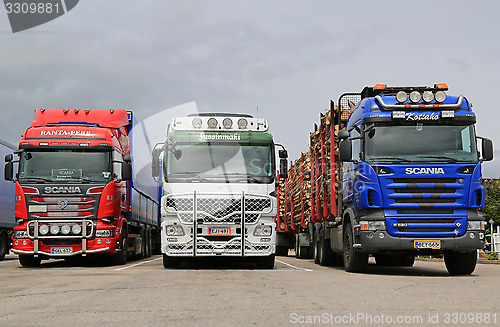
64 166
221 163
420 143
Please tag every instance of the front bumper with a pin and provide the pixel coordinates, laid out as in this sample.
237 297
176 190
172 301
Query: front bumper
205 247
381 241
108 245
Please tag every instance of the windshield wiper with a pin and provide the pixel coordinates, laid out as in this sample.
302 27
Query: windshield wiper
392 159
36 178
439 157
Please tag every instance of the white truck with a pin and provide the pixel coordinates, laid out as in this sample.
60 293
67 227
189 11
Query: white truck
218 175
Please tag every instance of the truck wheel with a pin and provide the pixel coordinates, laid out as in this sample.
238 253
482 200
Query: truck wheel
354 261
458 263
315 247
265 262
29 260
120 258
149 243
325 252
171 262
4 245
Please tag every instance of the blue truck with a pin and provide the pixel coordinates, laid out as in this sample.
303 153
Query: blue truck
7 221
401 177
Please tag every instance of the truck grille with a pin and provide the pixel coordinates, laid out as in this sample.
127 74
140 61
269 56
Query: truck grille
425 207
63 207
218 209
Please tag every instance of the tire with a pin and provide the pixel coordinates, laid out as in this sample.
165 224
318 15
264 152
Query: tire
149 243
4 245
171 262
282 251
301 252
354 261
325 252
458 263
28 260
315 247
266 262
142 254
120 258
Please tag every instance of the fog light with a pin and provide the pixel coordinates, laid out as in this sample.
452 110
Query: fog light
76 229
440 96
265 240
16 242
43 230
369 235
415 96
171 239
471 235
428 96
227 123
381 235
99 241
65 229
25 242
242 123
197 123
212 123
401 96
108 241
174 231
54 229
481 236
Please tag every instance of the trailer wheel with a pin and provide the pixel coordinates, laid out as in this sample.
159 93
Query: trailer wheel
315 247
149 243
29 260
171 262
266 262
354 261
120 258
325 255
458 263
4 245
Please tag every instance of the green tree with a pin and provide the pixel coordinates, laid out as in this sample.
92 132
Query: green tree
492 203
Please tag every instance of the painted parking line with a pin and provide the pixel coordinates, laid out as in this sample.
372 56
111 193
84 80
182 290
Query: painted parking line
137 264
292 266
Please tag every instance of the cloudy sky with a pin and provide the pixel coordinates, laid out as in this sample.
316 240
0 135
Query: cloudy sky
286 57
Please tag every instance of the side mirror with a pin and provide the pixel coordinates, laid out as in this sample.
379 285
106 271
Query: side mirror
128 158
9 157
283 154
177 154
487 149
9 171
155 165
126 171
283 168
343 134
345 148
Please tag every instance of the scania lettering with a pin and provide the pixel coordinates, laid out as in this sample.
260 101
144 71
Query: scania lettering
392 172
76 191
218 176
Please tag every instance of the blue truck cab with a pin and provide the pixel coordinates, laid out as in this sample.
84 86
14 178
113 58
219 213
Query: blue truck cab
411 177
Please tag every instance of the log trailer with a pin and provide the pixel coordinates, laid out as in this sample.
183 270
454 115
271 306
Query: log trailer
218 178
75 193
7 221
392 172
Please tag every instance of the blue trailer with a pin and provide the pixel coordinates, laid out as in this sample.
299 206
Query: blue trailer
7 221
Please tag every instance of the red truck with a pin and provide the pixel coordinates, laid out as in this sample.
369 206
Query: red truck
75 189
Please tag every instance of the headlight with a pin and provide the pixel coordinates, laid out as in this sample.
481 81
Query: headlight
372 225
428 96
54 229
242 123
227 123
401 96
104 233
76 229
65 229
174 231
476 225
440 96
21 234
212 123
415 96
197 123
263 231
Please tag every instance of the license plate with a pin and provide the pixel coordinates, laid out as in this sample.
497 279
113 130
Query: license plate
62 250
219 230
427 244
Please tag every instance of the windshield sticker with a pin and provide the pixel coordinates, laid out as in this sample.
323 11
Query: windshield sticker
66 173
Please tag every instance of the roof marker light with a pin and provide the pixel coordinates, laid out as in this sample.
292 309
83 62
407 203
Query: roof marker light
111 110
440 96
65 111
42 109
415 96
441 86
428 96
380 87
401 96
87 111
77 110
